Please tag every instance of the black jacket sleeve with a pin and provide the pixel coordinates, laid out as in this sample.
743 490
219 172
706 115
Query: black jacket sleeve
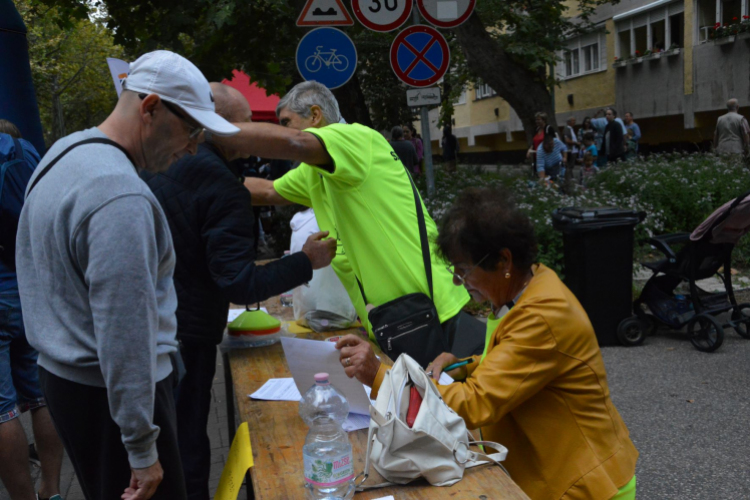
228 239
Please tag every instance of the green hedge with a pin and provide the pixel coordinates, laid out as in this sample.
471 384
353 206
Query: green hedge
677 192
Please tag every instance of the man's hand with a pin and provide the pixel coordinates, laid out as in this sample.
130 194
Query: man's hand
320 252
358 359
143 482
445 359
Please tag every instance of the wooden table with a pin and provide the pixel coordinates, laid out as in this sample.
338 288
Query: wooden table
277 434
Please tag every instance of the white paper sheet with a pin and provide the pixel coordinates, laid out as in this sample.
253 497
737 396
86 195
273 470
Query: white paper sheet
389 497
233 313
308 357
355 422
278 389
284 389
445 379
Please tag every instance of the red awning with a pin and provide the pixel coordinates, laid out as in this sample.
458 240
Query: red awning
262 105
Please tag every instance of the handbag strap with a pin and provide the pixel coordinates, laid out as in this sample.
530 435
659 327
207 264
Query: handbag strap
495 458
93 140
423 241
366 473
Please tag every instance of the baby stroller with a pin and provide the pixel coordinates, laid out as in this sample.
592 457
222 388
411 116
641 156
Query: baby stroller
702 255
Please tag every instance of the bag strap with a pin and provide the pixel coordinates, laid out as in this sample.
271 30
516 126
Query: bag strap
486 458
93 140
19 149
423 241
422 235
5 165
366 473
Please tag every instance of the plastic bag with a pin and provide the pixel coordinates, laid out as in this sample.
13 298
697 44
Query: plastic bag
322 304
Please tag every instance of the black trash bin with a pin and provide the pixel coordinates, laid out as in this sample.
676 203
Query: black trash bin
598 258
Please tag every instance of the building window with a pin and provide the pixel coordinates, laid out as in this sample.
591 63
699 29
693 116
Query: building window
711 12
677 31
645 30
582 55
572 60
591 57
731 11
461 98
484 91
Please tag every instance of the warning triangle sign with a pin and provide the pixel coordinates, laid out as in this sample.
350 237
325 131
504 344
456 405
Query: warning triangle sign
324 13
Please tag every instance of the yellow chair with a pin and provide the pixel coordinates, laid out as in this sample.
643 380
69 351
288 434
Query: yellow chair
238 463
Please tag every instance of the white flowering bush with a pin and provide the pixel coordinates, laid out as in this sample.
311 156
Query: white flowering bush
676 191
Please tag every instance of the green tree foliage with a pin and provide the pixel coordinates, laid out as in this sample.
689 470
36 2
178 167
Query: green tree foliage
73 85
507 44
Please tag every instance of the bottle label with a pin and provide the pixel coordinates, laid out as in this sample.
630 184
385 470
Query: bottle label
329 472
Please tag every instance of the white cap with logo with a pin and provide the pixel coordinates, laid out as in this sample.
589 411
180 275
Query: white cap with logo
176 80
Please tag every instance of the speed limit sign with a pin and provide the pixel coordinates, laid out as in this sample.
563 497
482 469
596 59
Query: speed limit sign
382 15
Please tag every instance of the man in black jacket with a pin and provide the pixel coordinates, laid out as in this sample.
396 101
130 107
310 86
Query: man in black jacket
210 216
613 143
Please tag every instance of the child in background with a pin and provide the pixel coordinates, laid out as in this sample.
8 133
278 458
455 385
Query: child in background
589 148
631 147
589 169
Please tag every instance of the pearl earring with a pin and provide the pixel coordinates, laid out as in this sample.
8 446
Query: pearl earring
507 276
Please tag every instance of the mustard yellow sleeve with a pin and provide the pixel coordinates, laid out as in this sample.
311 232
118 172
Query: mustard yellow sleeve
517 368
378 380
471 367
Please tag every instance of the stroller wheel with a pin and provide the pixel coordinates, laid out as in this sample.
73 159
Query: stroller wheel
706 333
649 324
632 331
741 318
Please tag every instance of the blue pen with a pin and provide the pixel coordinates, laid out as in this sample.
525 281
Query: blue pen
457 365
453 366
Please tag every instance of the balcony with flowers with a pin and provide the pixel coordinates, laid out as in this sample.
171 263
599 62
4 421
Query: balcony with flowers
722 34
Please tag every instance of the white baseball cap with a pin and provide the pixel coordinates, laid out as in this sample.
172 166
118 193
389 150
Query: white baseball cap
177 80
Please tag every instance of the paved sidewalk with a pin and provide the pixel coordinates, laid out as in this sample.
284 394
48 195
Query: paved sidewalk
217 432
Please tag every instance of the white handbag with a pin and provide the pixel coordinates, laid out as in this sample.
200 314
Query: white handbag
436 447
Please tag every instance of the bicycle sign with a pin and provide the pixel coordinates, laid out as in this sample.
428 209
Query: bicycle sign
328 56
315 62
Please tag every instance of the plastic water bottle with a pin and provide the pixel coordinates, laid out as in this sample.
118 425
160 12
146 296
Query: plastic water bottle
329 465
286 297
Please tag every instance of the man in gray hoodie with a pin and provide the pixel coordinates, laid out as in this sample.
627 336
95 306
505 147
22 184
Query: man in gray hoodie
95 264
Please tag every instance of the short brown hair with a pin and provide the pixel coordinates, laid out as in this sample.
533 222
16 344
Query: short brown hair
482 222
9 128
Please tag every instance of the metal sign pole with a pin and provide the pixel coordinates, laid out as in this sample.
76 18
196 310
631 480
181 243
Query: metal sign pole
426 142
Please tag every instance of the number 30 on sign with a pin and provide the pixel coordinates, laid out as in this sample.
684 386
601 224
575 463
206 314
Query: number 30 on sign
382 15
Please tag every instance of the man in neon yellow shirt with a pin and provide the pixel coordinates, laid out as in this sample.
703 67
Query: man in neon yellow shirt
362 195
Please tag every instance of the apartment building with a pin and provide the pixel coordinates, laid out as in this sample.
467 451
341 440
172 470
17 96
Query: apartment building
662 60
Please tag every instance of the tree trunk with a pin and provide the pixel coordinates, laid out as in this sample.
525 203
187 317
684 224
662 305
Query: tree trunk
352 102
524 90
58 117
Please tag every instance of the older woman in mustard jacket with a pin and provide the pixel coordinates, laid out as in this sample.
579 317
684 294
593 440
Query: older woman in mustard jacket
540 387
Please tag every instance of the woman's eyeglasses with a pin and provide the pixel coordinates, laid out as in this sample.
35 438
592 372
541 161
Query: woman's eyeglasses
462 278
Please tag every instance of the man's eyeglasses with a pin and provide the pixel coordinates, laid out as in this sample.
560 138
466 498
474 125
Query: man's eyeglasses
462 278
195 130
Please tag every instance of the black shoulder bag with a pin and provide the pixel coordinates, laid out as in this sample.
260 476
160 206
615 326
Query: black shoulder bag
410 324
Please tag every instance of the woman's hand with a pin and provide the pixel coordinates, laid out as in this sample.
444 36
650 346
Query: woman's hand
358 359
444 360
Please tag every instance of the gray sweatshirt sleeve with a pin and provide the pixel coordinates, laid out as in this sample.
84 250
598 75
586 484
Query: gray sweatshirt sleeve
117 251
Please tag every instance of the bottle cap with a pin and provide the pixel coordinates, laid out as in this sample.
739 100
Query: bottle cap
321 378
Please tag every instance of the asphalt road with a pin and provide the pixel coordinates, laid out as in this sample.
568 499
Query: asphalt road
688 413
